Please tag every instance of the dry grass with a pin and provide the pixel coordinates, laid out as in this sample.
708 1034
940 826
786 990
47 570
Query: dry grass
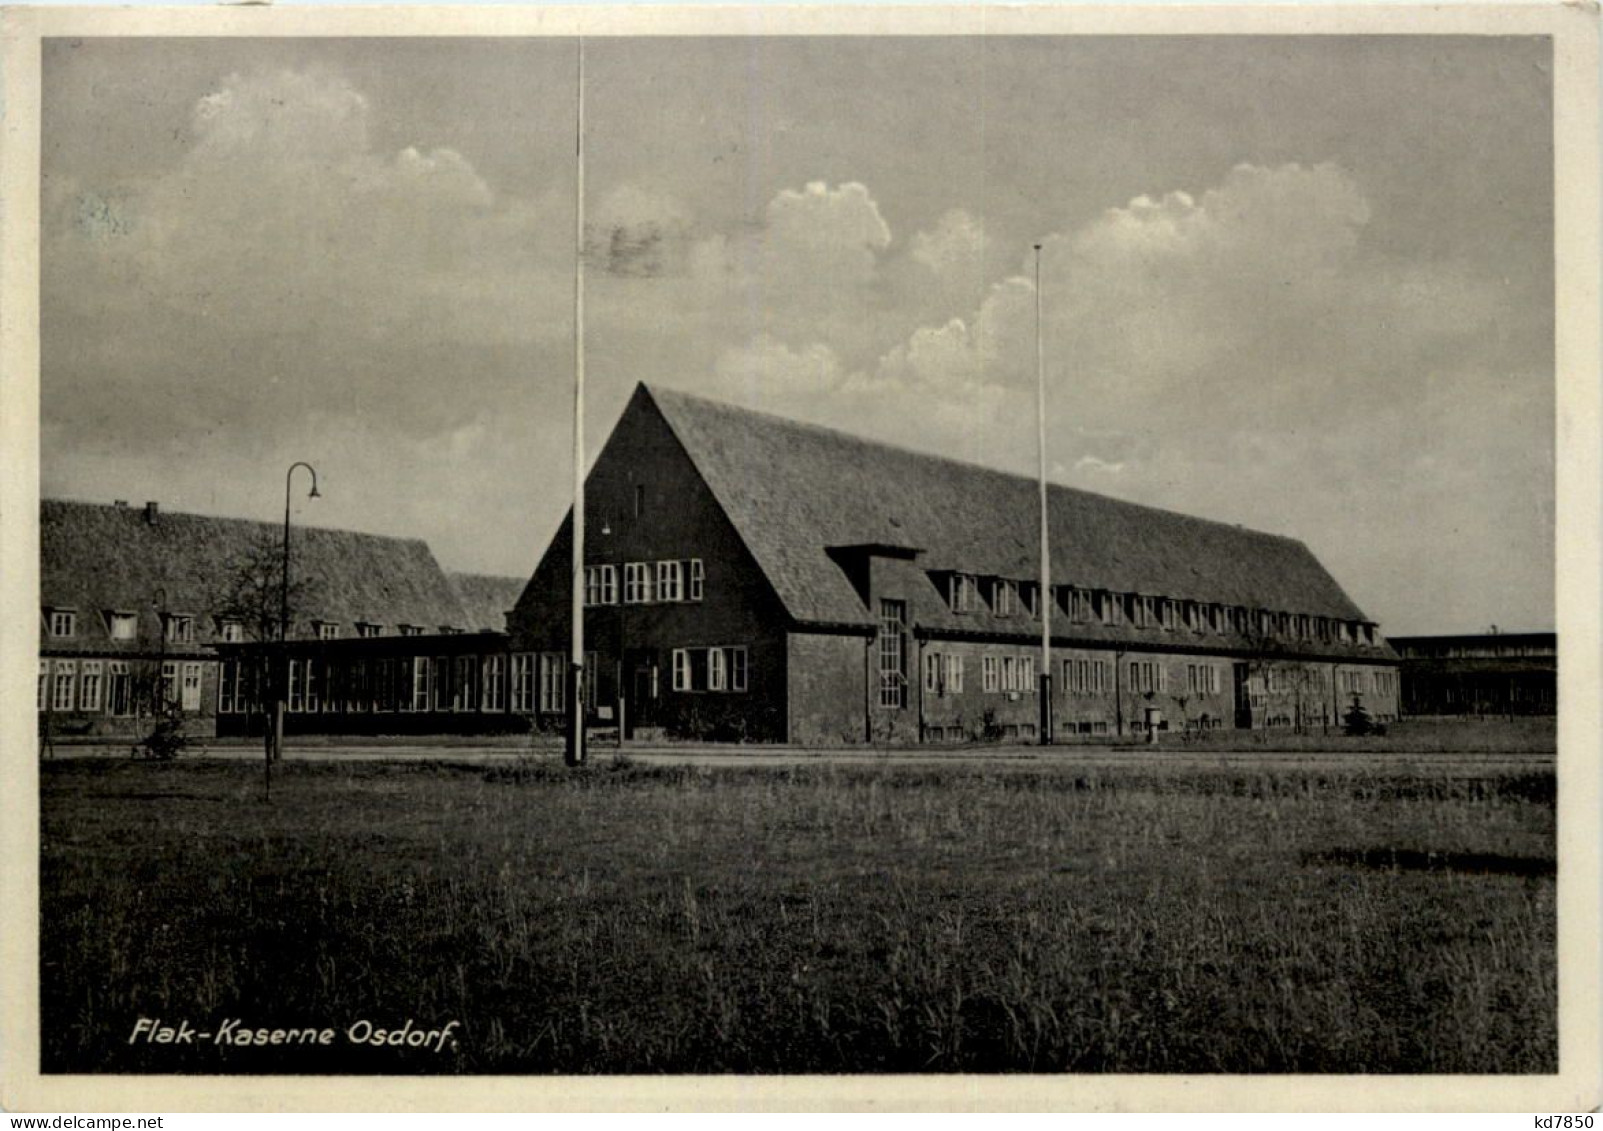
808 919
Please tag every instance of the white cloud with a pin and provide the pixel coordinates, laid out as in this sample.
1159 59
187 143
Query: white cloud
956 246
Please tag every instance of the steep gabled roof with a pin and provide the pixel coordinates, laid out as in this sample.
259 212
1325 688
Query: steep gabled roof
794 490
99 559
486 599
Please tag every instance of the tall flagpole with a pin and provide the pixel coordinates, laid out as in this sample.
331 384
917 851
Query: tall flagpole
575 749
1045 599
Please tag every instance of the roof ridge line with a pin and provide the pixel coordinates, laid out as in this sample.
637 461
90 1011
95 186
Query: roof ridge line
902 449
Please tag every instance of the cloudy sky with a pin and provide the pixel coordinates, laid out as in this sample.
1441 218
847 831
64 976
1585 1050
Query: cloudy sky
1300 284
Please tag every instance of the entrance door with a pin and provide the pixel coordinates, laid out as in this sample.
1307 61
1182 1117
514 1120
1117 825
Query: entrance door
1243 699
643 699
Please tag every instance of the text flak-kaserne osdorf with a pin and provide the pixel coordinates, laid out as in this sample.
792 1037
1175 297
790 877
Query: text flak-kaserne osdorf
234 1032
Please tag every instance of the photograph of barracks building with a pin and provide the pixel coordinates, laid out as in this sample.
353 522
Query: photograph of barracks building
748 578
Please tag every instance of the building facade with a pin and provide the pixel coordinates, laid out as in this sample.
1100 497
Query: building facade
1490 673
137 606
749 577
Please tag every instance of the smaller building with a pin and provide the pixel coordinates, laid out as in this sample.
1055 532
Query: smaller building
1488 673
138 603
447 683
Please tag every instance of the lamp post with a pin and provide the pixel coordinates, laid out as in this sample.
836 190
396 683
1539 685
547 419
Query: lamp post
283 622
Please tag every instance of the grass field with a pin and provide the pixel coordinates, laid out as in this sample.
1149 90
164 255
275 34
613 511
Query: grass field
803 919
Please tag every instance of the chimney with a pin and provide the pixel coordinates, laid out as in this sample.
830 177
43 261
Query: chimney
152 509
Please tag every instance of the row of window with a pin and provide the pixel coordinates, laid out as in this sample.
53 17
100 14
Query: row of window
179 628
523 682
1003 597
176 628
943 675
645 583
93 686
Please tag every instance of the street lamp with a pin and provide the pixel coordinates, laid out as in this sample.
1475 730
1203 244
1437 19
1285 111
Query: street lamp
283 617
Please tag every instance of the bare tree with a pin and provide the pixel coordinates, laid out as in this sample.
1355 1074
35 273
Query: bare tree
251 590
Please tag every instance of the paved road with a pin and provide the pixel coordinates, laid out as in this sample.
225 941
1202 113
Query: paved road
1015 756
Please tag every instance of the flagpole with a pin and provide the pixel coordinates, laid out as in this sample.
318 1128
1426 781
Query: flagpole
1045 597
575 748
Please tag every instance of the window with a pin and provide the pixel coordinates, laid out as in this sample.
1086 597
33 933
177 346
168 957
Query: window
124 626
228 687
954 674
1080 605
638 583
411 630
440 683
365 630
1166 611
523 682
1030 595
893 654
697 578
963 592
670 581
422 691
230 631
1202 679
64 683
191 688
989 678
326 630
1085 677
168 689
180 629
44 682
601 585
1004 597
553 682
89 686
1027 673
465 685
119 688
932 673
1304 626
722 668
640 499
1010 673
1147 675
63 622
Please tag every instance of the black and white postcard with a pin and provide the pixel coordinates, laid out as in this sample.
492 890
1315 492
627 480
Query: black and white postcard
932 557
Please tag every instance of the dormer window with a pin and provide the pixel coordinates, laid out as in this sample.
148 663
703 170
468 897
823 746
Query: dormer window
1107 607
179 628
1030 595
63 622
123 626
230 631
1004 597
963 592
1166 612
326 630
367 630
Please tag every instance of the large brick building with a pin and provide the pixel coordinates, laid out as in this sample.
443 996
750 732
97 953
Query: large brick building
751 577
140 605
